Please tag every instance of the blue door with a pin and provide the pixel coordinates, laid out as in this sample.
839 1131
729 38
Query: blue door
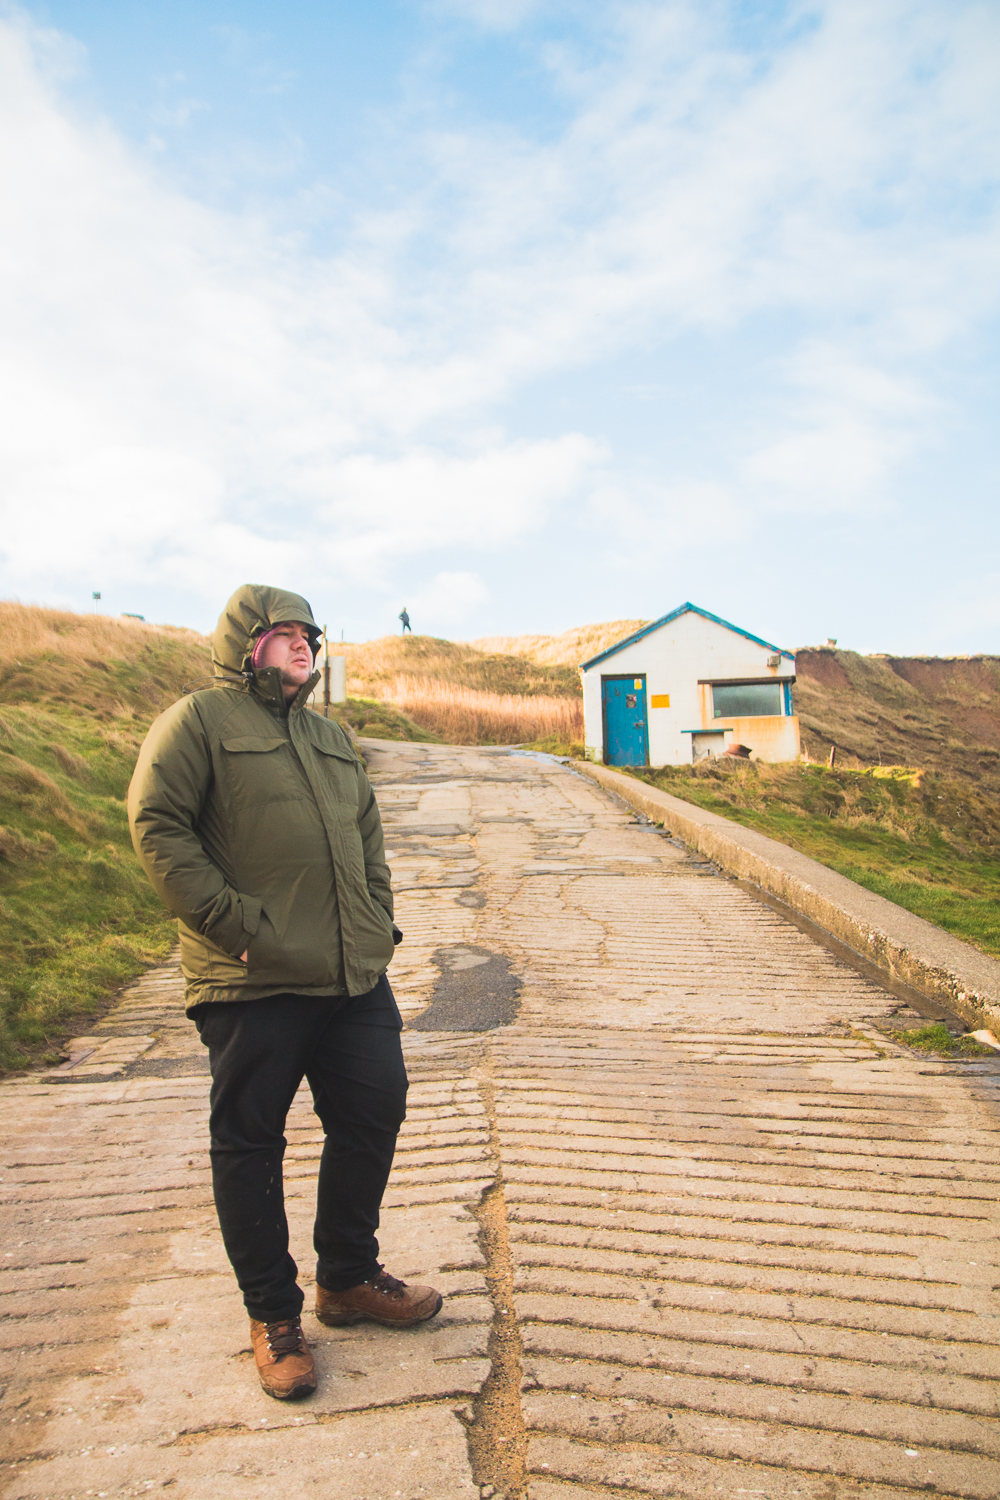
625 741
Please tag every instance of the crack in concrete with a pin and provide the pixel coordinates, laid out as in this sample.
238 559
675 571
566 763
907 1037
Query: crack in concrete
497 1435
188 1437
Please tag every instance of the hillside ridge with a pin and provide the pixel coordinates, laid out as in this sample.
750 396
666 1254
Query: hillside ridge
936 712
568 650
77 693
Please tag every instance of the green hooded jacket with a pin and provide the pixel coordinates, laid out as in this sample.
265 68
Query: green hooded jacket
258 828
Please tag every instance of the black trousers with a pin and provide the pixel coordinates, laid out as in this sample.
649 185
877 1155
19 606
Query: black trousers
259 1052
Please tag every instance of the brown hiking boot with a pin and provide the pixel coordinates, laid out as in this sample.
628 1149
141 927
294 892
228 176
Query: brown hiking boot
383 1299
284 1363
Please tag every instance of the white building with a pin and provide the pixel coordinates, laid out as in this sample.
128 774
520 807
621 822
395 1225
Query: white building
688 686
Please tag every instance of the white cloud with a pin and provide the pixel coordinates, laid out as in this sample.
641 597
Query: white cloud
646 525
836 465
182 383
446 602
967 610
491 15
849 426
425 498
173 379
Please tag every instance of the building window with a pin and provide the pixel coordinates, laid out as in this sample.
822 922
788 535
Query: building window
746 700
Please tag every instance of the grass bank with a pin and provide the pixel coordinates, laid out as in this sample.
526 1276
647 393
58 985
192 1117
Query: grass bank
77 693
95 665
78 916
929 842
380 721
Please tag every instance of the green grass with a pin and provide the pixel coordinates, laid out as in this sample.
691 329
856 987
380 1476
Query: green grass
937 1039
928 842
78 916
553 745
380 721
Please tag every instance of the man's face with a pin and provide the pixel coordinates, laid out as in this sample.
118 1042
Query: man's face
288 649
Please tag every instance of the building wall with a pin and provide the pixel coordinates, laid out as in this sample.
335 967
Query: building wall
770 737
673 660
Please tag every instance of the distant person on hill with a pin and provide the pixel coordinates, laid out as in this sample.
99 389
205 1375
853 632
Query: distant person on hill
258 828
406 621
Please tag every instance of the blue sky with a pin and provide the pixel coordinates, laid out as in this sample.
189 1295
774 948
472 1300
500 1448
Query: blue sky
521 314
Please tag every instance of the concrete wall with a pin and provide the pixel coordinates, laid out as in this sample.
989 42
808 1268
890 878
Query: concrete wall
338 683
673 660
338 679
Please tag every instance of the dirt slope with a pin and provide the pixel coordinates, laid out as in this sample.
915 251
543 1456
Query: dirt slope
939 713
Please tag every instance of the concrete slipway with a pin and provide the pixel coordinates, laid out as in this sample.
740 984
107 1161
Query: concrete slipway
905 947
704 1229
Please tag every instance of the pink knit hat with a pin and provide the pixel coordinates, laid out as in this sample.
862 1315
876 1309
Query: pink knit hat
255 653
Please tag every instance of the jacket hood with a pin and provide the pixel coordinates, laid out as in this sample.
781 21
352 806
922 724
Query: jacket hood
254 609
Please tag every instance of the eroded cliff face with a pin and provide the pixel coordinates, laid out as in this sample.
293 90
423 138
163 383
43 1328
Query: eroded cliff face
942 713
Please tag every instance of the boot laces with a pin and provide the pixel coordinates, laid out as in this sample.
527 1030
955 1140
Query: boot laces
285 1337
388 1285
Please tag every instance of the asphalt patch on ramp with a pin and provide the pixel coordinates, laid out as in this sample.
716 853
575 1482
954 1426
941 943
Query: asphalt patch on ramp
476 992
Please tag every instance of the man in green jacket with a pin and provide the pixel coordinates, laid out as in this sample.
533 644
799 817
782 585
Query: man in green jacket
258 827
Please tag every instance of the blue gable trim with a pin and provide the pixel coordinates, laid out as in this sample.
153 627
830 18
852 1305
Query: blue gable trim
675 614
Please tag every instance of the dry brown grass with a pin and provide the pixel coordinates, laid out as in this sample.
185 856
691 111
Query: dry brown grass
95 664
28 631
568 649
465 716
373 666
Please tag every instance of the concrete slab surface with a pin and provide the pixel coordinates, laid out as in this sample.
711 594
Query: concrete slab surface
704 1228
906 947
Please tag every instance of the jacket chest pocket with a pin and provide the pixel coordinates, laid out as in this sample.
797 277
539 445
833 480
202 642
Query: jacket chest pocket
261 769
340 781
